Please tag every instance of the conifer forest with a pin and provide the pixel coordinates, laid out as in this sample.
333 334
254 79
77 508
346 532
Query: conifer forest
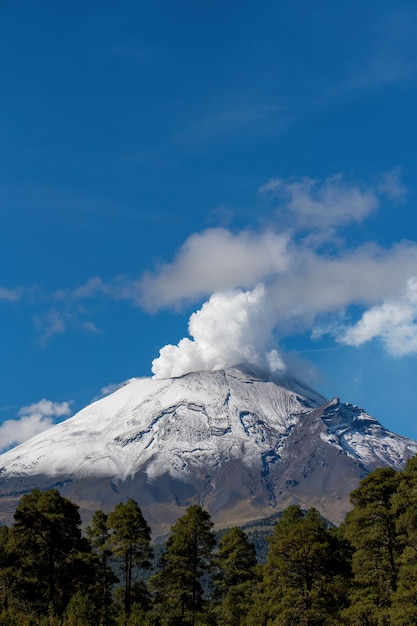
364 573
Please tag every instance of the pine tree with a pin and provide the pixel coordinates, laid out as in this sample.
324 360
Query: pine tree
371 529
48 547
404 600
305 577
6 570
235 562
80 611
130 543
185 563
99 536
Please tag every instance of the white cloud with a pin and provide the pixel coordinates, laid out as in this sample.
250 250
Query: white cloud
214 260
237 326
303 281
316 284
304 284
309 204
308 283
394 322
310 279
231 328
33 419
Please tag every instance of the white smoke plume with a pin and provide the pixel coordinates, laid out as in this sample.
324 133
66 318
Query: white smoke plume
231 328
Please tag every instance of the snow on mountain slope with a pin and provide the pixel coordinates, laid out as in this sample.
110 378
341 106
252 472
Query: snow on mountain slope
166 425
241 445
363 438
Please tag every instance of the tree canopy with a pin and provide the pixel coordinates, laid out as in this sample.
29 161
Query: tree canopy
361 574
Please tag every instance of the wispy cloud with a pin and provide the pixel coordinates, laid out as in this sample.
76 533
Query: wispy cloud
93 287
67 308
393 53
311 204
108 389
58 320
11 295
391 185
50 324
389 57
264 117
32 420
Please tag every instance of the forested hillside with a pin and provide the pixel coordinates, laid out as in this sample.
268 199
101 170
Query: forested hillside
363 573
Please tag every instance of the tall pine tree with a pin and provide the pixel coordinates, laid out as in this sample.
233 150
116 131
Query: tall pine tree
130 543
99 536
404 599
236 563
48 547
186 562
371 529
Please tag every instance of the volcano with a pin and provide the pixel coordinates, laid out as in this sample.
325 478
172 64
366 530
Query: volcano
242 444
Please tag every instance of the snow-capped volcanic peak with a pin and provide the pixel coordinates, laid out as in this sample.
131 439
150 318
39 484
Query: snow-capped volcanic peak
241 443
168 425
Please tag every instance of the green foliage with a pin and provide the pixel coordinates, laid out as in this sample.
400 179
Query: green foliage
130 542
404 599
236 559
187 559
371 529
6 569
47 549
235 562
362 574
80 611
99 536
305 578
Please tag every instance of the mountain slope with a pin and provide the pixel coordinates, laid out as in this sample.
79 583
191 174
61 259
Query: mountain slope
239 444
167 425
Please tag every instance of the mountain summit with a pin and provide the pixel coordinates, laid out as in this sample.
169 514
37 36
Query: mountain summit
240 444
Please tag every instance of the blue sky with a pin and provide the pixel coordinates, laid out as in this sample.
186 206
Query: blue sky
156 153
